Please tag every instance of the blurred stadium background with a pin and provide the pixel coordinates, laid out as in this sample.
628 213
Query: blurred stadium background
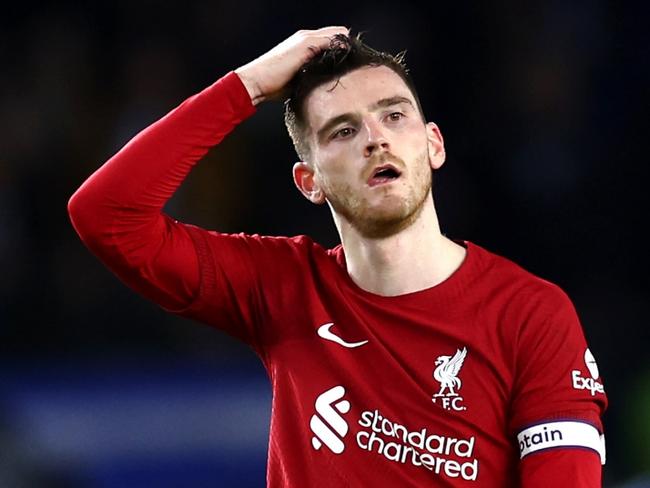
544 108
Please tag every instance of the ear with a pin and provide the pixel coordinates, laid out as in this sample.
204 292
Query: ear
436 146
305 180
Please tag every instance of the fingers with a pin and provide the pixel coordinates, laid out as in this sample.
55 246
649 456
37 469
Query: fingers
324 34
335 29
268 75
319 39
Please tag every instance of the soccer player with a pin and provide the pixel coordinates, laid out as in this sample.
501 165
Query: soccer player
398 358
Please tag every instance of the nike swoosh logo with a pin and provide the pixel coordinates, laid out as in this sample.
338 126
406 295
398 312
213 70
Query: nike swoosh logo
325 333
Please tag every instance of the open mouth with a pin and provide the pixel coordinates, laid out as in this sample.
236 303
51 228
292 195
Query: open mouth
383 174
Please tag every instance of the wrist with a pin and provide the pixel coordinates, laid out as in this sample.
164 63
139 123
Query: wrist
251 85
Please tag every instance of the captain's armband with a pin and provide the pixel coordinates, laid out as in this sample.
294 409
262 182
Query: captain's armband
561 434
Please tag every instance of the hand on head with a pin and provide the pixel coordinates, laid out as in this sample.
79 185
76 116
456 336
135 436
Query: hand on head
267 76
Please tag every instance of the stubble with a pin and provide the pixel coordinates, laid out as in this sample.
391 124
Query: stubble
394 214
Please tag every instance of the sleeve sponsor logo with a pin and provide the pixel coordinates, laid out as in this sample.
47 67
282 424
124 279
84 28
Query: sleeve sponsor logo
581 382
561 434
590 361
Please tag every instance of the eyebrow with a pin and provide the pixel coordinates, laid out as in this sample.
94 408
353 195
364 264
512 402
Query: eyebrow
383 103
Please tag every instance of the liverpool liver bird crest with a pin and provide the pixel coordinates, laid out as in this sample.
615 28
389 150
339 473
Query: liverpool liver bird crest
446 372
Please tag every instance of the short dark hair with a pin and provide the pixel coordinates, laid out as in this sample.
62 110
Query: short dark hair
344 54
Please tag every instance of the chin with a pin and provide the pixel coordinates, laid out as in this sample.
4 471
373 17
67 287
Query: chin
389 214
386 221
379 216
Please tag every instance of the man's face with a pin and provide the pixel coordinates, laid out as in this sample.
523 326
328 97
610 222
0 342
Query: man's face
372 154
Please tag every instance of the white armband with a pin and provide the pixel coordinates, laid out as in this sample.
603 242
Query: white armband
565 433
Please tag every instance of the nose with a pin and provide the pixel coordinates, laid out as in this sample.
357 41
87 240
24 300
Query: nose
377 141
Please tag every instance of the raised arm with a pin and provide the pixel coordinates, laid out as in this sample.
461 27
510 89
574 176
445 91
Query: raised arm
117 211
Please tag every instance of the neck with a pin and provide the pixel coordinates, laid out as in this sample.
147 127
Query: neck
416 258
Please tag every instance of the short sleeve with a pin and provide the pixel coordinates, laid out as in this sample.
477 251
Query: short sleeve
558 395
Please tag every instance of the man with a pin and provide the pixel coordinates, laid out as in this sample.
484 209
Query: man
401 357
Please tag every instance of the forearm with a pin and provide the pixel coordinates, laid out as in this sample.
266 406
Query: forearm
145 173
118 209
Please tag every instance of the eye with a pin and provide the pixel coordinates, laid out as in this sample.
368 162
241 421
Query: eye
342 133
395 116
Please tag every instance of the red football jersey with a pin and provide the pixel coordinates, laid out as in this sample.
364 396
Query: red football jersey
483 380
